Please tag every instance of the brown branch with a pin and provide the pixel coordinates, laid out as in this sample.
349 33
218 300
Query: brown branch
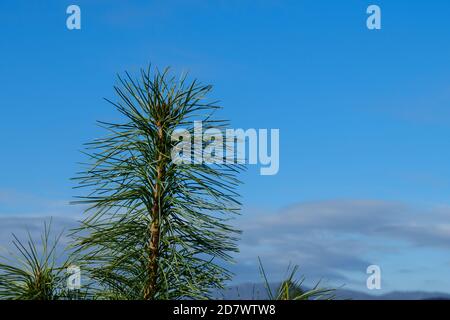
155 226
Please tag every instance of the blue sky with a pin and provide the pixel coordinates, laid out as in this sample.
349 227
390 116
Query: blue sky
363 115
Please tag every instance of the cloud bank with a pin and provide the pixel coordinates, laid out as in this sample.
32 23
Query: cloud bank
331 240
337 238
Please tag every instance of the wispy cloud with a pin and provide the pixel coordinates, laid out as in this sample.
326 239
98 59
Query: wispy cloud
18 204
333 239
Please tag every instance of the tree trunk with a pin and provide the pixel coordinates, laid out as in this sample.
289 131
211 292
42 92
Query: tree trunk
155 226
